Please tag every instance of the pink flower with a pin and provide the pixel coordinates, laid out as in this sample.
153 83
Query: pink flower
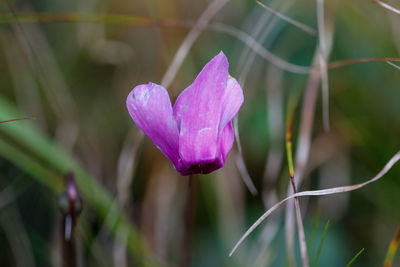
196 134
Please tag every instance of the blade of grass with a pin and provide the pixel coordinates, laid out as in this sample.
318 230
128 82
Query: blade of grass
26 147
35 46
321 244
300 228
355 257
313 233
322 192
393 65
392 248
289 128
294 99
260 253
296 23
388 7
323 58
244 174
22 77
211 10
306 124
261 31
259 49
302 150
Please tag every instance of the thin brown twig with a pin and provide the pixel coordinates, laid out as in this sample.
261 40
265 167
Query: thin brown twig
17 119
77 17
146 21
300 227
346 62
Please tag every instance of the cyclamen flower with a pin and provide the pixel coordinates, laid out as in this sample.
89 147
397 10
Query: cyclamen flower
196 134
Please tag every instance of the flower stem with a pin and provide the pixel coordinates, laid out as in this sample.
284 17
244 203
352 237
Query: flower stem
68 244
189 222
70 205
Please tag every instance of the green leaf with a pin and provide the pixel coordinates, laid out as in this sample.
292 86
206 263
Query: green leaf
355 257
321 244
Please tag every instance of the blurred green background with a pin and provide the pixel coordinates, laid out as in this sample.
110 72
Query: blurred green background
71 64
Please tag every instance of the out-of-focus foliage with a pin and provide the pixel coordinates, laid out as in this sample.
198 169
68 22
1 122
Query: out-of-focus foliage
72 71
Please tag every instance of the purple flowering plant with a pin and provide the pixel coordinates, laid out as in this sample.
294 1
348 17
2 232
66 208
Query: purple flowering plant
196 134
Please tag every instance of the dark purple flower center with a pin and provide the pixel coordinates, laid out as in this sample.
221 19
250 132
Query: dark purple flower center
204 168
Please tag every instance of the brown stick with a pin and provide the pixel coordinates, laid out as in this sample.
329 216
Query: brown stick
18 119
341 63
189 222
70 205
68 244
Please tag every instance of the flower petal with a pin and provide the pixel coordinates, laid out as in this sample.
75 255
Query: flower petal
227 138
198 112
232 101
225 144
150 108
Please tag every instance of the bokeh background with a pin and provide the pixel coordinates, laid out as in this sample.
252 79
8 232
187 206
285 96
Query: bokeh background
69 65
